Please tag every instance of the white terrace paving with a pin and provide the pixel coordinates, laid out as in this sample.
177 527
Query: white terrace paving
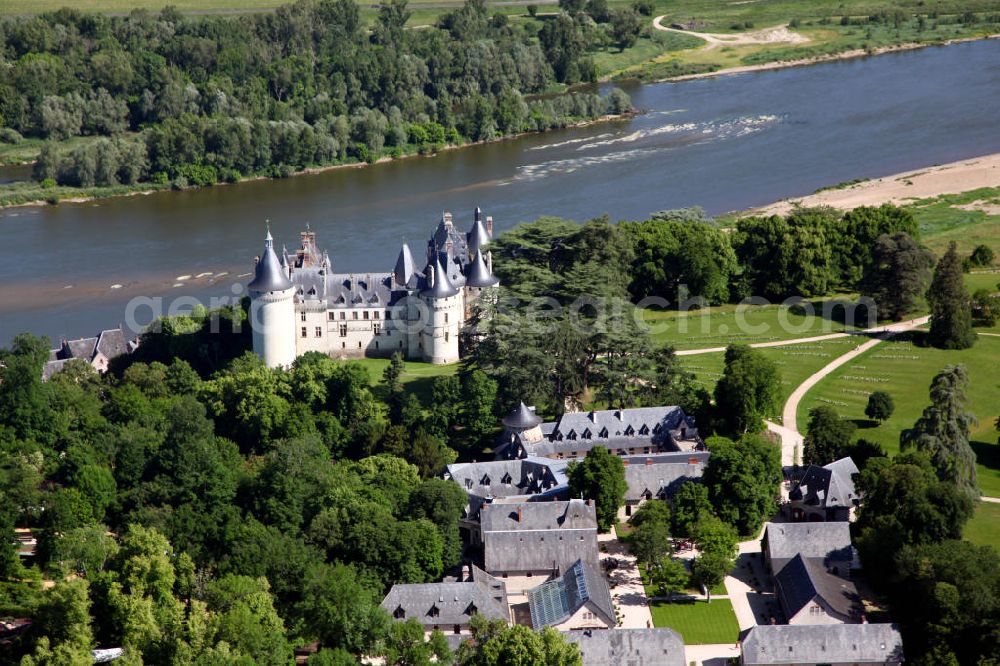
627 591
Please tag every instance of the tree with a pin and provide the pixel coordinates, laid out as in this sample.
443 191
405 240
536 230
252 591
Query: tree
951 310
600 476
690 506
650 539
712 535
668 576
860 231
405 645
64 615
982 255
710 569
897 275
942 431
827 436
625 27
880 406
340 610
742 481
244 617
495 643
748 391
985 307
904 504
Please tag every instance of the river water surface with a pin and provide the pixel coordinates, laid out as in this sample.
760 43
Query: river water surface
723 143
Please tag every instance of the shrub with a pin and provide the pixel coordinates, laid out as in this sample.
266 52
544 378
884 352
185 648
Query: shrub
10 135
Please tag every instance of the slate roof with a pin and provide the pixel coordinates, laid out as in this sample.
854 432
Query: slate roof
478 237
538 536
569 515
268 273
629 647
555 601
819 643
82 348
405 266
828 541
522 417
52 367
660 475
533 479
442 286
828 486
578 432
112 343
479 275
803 579
449 603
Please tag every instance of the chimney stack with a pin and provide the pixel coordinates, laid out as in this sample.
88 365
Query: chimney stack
489 225
519 509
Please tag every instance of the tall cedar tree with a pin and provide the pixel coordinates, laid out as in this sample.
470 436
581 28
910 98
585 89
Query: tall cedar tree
748 391
942 432
951 308
827 436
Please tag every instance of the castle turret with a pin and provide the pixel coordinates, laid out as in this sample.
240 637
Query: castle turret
523 422
479 236
445 310
272 309
404 267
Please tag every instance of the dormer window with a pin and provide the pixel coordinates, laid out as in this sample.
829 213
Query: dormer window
485 481
471 610
434 611
603 434
507 480
644 430
587 434
630 431
571 435
399 613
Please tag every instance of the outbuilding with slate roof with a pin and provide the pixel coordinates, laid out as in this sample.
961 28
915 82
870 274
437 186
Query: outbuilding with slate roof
829 542
658 476
577 599
629 647
449 607
824 493
830 645
811 594
528 542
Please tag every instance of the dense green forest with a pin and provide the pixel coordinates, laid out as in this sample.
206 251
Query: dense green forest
196 100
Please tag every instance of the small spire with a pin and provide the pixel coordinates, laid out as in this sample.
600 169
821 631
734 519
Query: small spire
268 239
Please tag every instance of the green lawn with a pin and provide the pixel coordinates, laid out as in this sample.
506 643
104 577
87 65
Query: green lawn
984 528
905 371
795 364
723 325
698 622
417 377
941 220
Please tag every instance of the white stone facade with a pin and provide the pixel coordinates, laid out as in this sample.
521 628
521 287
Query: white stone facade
419 313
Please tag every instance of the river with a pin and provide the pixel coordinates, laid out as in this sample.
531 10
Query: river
724 143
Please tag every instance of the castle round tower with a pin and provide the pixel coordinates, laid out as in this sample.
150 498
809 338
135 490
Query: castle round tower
444 302
272 310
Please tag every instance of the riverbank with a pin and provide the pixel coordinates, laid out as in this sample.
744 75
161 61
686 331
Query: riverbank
818 59
901 188
34 194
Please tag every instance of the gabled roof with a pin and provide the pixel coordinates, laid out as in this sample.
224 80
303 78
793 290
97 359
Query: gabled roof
828 486
112 343
804 579
509 478
574 514
268 274
555 601
827 541
448 603
660 475
478 274
549 536
522 417
83 348
629 647
823 643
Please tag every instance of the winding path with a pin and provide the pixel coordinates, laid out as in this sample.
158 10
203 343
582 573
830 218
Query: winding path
778 34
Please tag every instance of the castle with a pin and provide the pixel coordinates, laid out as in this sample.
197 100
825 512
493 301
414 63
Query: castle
298 304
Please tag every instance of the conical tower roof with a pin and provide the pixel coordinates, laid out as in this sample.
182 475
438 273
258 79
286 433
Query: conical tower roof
479 275
405 267
442 287
522 418
268 274
479 238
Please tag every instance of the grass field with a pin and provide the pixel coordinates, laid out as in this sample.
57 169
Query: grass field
733 324
984 528
942 220
905 371
699 622
417 377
